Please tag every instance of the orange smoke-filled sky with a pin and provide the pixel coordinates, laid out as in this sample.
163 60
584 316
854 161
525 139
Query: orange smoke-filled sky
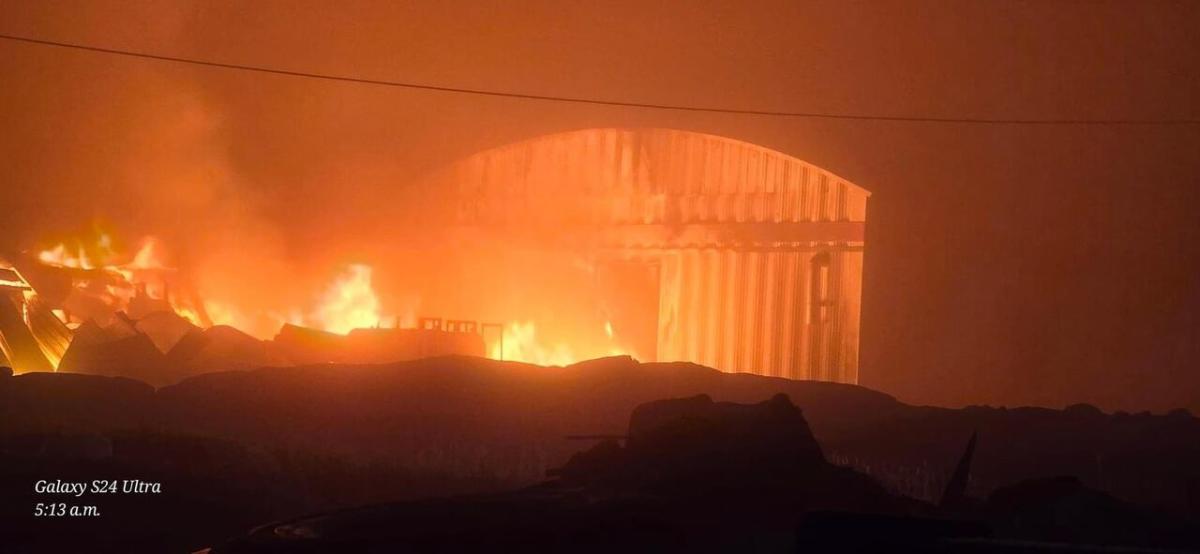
1006 264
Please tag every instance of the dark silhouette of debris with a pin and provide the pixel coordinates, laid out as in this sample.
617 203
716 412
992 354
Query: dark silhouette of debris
221 348
694 475
302 345
514 417
956 489
164 328
133 355
697 475
33 403
479 423
1062 509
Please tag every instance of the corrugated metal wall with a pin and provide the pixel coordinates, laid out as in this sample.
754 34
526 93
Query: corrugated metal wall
752 307
756 312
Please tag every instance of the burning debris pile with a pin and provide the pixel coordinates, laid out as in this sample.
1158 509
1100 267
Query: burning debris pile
63 304
89 310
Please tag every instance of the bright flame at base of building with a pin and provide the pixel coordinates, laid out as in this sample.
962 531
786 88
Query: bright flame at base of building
520 343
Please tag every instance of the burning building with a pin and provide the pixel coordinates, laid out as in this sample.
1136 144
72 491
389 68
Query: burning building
665 245
701 248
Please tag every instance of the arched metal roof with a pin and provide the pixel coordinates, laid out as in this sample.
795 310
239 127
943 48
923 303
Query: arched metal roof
648 176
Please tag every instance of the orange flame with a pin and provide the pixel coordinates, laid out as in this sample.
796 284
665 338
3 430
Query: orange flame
349 303
77 256
145 270
521 344
101 255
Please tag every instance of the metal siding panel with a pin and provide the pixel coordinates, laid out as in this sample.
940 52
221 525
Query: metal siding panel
712 298
759 315
778 287
783 320
729 304
693 313
745 307
669 307
791 355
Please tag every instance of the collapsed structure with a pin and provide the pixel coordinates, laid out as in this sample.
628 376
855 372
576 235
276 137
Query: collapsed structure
107 321
711 250
32 336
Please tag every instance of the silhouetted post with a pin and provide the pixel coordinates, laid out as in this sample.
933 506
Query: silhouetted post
956 489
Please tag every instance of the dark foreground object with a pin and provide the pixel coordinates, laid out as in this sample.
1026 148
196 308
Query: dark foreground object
699 476
236 449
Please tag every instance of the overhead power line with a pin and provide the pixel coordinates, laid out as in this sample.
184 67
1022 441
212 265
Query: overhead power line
595 101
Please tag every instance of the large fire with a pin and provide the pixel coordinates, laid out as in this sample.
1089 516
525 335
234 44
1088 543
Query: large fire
350 301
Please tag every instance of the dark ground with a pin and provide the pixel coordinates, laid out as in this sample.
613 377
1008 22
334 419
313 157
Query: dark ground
237 449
